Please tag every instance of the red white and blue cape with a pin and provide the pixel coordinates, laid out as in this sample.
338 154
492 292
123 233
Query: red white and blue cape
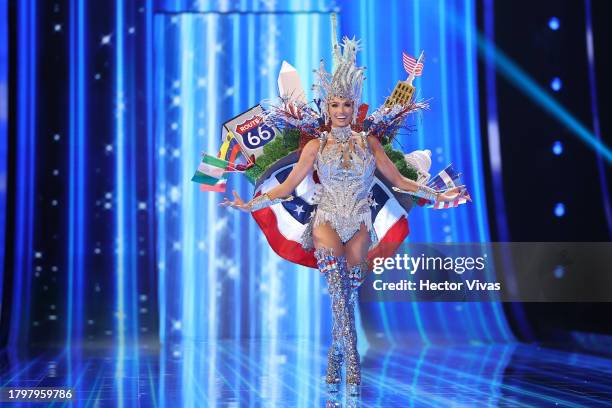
284 223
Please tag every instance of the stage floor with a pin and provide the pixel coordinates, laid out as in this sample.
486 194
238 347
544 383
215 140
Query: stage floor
290 373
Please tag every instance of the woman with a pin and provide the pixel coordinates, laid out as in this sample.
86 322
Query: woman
341 229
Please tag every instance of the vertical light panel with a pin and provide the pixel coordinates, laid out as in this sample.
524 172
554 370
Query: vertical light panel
239 226
77 186
25 169
469 18
151 156
216 222
189 280
128 151
159 151
122 265
595 113
495 157
252 262
158 124
4 63
119 177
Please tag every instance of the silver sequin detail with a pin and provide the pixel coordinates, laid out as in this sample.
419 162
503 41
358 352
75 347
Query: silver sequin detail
342 134
356 275
344 336
343 193
346 81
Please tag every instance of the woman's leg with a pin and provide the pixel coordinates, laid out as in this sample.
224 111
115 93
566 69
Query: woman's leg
329 253
356 250
324 236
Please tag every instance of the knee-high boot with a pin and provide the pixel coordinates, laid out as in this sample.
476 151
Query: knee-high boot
353 365
334 270
357 275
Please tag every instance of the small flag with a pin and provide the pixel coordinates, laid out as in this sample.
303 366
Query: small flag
447 178
451 204
218 187
231 152
211 173
411 65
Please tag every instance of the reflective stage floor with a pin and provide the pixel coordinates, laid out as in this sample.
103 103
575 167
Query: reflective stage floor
290 373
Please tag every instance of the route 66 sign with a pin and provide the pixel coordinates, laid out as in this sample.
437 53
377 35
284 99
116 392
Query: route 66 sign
250 131
254 132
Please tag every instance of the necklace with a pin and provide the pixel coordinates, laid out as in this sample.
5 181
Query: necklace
342 134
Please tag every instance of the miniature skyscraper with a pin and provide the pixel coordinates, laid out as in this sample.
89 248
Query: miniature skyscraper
402 94
404 91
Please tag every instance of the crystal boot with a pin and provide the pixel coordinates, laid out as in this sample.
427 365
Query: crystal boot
353 363
335 274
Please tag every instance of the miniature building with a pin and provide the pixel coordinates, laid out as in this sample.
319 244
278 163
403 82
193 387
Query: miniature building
402 94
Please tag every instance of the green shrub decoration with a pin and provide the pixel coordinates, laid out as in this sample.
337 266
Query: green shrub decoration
288 141
394 155
253 173
281 146
397 157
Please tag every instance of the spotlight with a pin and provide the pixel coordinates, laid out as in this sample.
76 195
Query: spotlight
556 84
560 210
557 148
553 23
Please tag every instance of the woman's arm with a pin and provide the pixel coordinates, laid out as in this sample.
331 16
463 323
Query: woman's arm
388 169
300 170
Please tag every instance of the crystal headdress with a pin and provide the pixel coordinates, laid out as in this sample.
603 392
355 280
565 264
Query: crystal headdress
347 78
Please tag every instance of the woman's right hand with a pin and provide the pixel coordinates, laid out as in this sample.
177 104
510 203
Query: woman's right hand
237 203
453 194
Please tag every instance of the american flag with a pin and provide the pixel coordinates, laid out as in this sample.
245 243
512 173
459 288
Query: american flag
451 204
410 65
447 178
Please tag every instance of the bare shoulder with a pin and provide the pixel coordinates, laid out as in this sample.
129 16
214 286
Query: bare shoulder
374 143
310 150
312 146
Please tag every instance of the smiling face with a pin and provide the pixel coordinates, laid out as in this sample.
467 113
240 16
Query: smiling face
340 111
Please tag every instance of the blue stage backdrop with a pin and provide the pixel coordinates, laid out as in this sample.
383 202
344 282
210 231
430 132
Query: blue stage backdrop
82 252
218 277
109 229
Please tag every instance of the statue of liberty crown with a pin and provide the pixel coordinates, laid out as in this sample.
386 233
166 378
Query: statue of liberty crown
347 78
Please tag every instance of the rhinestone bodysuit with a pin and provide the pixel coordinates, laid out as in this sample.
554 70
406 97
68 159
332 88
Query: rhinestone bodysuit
346 174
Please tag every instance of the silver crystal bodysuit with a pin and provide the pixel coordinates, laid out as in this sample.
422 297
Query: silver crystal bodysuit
346 173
